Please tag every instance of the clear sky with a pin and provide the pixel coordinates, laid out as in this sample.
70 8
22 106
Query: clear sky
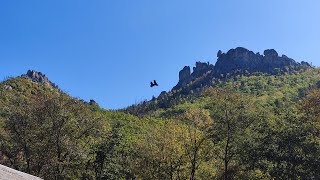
109 50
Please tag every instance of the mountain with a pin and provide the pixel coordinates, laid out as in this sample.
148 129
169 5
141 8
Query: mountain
248 116
238 63
47 133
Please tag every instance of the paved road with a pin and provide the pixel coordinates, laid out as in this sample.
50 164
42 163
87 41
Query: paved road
12 174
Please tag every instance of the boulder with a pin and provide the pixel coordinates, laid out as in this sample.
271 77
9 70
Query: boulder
8 87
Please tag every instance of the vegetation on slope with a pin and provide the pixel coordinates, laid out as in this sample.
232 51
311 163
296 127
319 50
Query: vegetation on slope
251 127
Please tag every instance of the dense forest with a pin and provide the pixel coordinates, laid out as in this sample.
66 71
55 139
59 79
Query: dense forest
239 126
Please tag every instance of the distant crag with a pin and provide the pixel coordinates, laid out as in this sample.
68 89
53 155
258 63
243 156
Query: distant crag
39 78
239 61
235 64
185 75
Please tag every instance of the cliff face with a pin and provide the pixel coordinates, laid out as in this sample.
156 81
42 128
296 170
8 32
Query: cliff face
185 75
239 61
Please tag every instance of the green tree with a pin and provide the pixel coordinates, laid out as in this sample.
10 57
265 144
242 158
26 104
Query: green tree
106 164
231 114
50 136
196 136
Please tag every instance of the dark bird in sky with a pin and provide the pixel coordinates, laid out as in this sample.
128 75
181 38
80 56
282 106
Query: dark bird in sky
154 83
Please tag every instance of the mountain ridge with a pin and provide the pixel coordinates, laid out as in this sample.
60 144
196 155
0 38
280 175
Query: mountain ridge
234 65
240 61
43 125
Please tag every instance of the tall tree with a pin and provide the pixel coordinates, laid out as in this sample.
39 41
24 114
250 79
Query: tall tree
231 117
198 123
161 151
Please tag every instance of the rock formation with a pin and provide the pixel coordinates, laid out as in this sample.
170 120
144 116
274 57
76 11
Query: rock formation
239 61
219 53
8 87
200 69
185 75
39 78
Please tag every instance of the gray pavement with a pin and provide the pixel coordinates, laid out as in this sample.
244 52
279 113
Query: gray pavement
7 173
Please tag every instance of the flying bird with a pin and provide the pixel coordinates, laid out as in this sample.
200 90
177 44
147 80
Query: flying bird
154 83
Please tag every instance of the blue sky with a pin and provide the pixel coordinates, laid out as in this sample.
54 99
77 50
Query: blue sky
109 51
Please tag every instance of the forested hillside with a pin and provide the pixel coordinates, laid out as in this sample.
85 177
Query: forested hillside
248 124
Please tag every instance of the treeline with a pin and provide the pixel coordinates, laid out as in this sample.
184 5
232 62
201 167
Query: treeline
225 134
291 85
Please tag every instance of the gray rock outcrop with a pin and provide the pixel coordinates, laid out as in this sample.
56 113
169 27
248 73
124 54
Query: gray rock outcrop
39 78
239 61
185 75
8 87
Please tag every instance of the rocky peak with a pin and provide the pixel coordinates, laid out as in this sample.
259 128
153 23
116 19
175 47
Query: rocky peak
39 78
238 58
219 53
239 51
201 68
185 75
271 52
239 61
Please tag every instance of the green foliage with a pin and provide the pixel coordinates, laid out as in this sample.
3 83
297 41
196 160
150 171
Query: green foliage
240 127
231 114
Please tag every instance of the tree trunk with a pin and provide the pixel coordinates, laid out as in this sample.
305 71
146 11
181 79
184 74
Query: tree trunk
193 161
226 161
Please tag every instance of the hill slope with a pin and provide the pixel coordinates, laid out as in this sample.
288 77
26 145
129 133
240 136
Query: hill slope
239 66
47 133
223 121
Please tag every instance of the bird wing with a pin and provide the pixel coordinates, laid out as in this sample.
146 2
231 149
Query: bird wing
155 83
